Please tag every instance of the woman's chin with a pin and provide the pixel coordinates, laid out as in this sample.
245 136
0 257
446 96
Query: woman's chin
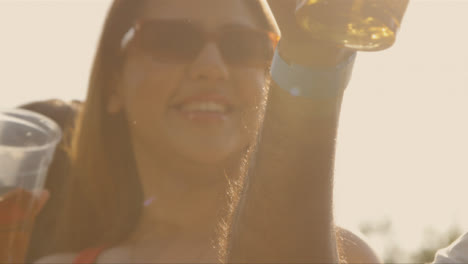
211 157
212 149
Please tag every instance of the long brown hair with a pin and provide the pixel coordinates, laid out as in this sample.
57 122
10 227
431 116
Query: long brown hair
105 197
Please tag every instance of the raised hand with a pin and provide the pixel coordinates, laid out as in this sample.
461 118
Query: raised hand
300 46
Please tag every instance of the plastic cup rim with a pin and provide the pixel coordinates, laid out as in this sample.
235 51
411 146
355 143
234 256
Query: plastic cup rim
51 124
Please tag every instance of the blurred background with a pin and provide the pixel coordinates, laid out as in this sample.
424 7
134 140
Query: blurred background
401 165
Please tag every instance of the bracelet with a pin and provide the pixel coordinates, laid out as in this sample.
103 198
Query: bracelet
310 82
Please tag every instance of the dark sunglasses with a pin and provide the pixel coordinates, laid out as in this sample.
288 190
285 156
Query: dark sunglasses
181 41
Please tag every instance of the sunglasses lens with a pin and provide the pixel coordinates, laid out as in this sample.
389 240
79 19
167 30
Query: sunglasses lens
246 47
170 41
179 41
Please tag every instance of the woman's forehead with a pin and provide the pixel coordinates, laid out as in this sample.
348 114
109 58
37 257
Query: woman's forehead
209 13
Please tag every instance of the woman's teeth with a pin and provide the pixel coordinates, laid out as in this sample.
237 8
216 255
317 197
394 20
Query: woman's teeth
204 107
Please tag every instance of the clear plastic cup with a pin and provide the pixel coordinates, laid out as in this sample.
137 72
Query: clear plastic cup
27 144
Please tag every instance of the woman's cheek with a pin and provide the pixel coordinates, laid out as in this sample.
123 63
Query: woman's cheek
149 89
252 86
253 93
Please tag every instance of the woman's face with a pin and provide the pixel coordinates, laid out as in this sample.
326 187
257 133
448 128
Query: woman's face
203 108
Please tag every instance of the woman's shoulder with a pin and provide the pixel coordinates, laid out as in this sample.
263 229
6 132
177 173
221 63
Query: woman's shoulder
62 258
354 248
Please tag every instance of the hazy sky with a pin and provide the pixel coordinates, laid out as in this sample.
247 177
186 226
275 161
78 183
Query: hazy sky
402 146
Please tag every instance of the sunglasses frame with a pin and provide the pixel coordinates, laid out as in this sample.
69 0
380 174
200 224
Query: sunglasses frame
130 35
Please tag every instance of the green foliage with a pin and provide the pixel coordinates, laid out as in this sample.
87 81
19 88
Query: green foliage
392 252
434 241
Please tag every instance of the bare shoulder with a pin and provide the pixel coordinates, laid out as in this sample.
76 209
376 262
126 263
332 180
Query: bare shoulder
63 258
354 248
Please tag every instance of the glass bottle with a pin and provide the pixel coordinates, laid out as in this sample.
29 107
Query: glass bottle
364 25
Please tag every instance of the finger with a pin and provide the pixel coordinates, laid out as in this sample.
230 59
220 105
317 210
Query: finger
41 201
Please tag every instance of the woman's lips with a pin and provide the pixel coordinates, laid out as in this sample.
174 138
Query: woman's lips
205 109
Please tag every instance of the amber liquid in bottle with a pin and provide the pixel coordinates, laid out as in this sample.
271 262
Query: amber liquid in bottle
365 25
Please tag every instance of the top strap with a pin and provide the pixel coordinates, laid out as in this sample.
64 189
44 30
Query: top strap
89 256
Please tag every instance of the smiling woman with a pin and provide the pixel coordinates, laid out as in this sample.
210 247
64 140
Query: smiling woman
173 104
175 101
390 106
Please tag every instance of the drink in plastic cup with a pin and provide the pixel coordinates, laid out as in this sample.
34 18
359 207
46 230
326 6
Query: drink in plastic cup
27 145
365 25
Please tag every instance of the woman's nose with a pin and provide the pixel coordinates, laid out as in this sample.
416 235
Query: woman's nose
209 64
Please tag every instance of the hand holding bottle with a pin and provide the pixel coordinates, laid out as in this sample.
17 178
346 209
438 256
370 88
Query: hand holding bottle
300 47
